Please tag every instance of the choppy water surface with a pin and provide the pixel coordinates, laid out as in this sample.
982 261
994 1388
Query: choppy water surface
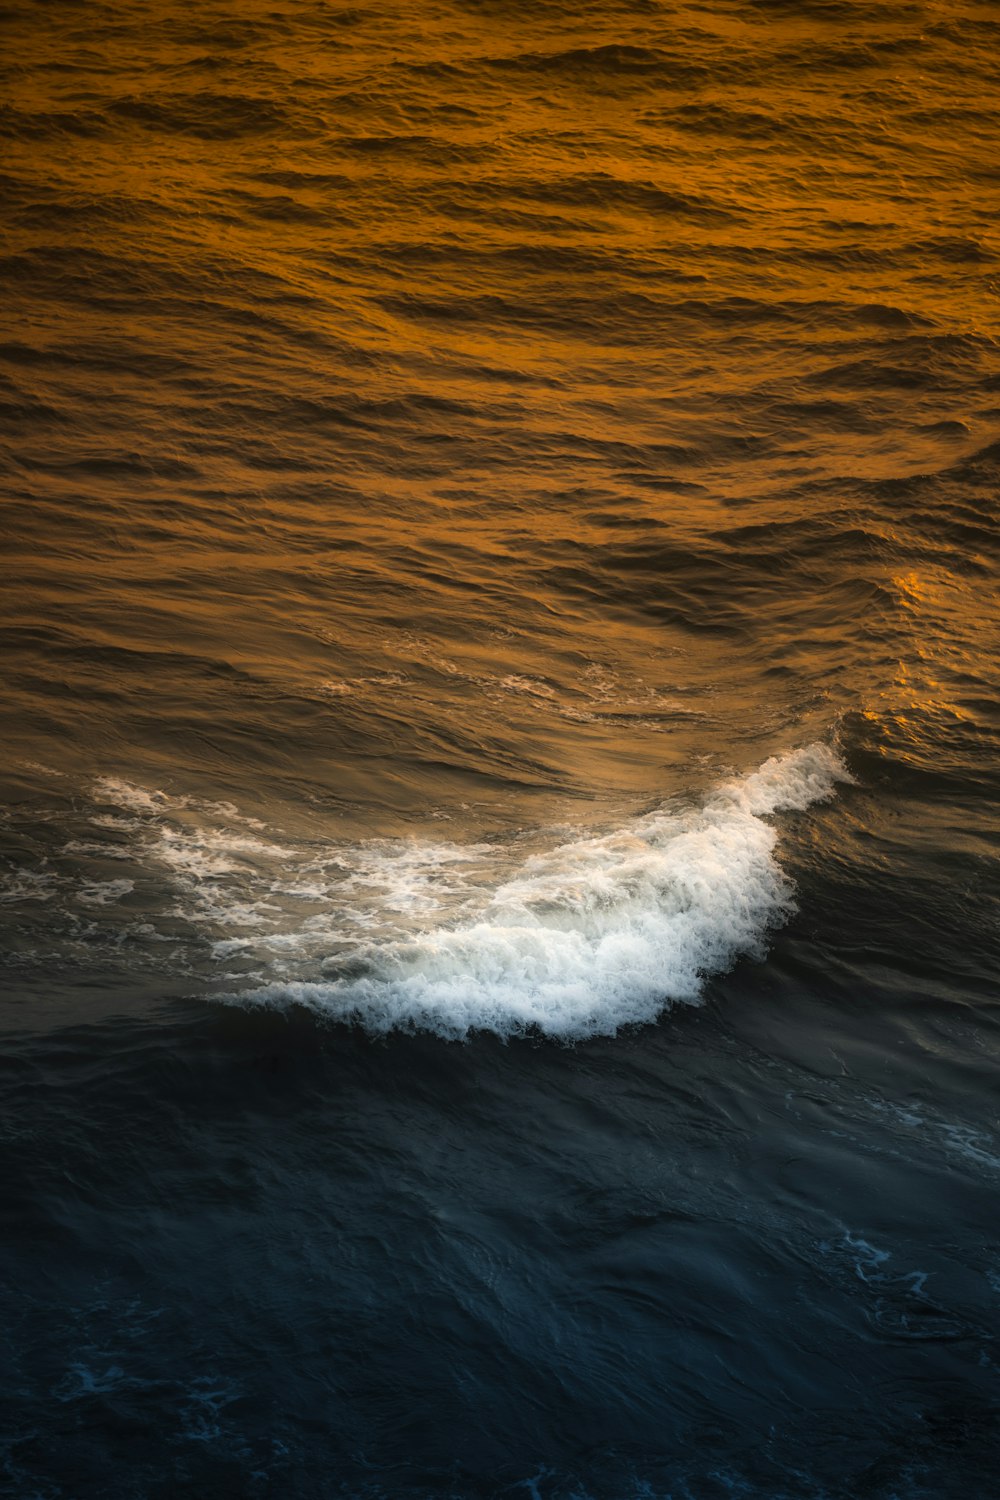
501 795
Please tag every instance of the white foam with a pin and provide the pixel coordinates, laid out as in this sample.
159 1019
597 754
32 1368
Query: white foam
589 936
105 892
157 803
135 798
27 885
788 783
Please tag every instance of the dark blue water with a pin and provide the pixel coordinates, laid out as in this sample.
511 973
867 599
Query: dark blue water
501 792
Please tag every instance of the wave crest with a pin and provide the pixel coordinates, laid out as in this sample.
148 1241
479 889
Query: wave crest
595 934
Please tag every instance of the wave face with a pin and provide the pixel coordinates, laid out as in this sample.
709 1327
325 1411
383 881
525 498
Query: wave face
596 934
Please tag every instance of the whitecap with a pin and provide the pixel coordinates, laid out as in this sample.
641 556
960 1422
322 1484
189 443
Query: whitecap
591 935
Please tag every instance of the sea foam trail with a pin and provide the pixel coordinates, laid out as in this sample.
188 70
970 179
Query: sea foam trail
598 933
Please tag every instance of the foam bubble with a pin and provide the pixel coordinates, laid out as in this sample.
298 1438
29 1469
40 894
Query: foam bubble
592 935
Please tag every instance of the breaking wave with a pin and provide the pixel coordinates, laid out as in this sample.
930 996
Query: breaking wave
595 934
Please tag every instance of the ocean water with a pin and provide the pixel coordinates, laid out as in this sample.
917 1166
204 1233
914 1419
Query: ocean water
501 791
